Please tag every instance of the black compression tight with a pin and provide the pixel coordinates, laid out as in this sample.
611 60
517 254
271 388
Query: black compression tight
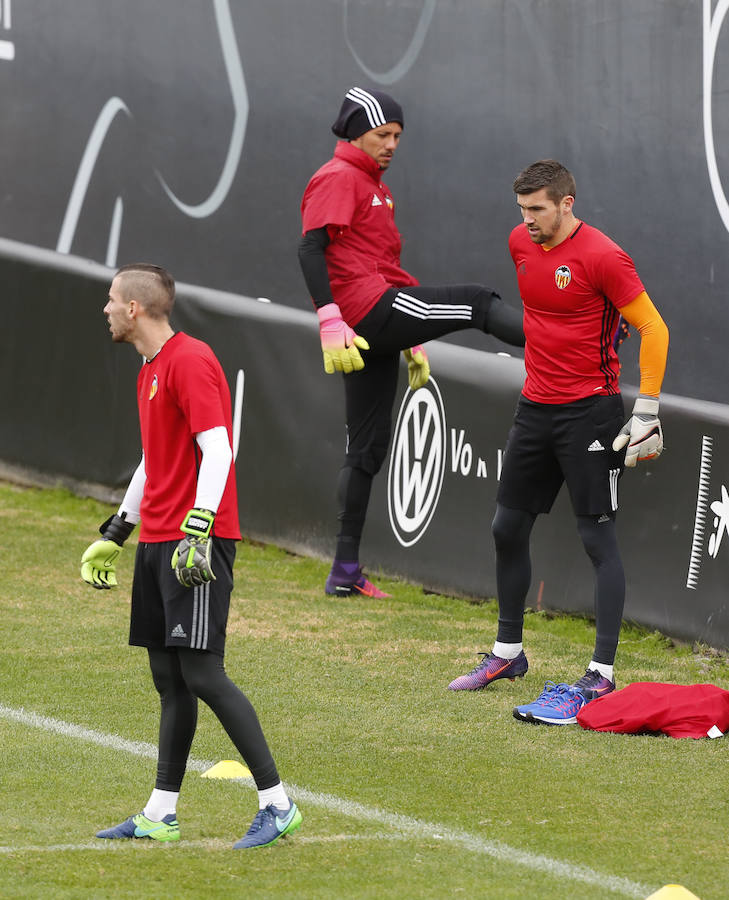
353 495
504 322
512 529
600 542
182 675
401 319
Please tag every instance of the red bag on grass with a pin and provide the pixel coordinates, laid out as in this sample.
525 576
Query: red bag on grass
693 710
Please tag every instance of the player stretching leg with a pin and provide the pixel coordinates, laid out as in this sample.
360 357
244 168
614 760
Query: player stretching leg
350 259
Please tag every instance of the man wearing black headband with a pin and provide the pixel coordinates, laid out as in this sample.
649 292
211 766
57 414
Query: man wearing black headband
350 258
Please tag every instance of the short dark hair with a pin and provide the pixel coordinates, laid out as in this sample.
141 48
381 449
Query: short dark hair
546 173
151 285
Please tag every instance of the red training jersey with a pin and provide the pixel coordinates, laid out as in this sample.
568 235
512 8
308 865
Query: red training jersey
571 296
348 196
181 392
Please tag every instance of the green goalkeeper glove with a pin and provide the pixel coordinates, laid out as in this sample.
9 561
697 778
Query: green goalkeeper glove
418 366
191 559
98 564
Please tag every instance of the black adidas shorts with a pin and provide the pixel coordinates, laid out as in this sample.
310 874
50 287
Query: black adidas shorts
568 442
166 614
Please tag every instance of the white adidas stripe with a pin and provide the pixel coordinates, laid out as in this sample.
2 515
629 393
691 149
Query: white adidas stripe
370 104
419 309
195 607
614 473
200 617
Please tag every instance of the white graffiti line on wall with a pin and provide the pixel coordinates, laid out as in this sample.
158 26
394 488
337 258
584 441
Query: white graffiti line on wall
111 109
237 83
712 25
417 463
411 53
116 105
702 503
112 245
7 48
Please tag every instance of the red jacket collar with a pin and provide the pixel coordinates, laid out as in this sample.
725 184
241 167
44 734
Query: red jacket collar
345 151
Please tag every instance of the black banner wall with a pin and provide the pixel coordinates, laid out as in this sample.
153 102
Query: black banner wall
184 131
69 416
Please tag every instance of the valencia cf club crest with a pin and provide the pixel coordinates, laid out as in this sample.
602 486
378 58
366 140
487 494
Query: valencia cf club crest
153 388
562 277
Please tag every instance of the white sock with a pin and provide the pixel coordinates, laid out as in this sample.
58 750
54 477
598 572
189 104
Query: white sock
161 804
603 668
276 795
507 651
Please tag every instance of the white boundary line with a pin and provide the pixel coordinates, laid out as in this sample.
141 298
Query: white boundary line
406 825
209 844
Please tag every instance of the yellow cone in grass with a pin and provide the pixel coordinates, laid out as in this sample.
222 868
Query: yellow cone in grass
673 892
227 768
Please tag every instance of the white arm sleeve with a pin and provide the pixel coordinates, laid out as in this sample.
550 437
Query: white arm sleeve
214 468
133 497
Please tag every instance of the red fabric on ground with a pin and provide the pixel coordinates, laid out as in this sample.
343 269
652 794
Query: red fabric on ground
673 709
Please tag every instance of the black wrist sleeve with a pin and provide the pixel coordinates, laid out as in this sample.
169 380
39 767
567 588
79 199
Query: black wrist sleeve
314 265
116 529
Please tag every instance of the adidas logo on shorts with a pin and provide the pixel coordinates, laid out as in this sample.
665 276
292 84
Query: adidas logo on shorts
178 632
595 445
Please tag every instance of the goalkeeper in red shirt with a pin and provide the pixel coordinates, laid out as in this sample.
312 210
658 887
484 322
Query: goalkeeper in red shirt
575 284
370 309
184 493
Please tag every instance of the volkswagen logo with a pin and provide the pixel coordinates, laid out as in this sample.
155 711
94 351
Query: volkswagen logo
417 463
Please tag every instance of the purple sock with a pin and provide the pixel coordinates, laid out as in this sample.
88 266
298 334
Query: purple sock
346 569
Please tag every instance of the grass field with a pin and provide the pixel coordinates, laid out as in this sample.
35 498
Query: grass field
407 790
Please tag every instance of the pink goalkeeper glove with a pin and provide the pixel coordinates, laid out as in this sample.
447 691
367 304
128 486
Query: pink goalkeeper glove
339 343
418 366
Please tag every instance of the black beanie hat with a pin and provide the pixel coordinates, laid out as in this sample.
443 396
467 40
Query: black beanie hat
364 110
